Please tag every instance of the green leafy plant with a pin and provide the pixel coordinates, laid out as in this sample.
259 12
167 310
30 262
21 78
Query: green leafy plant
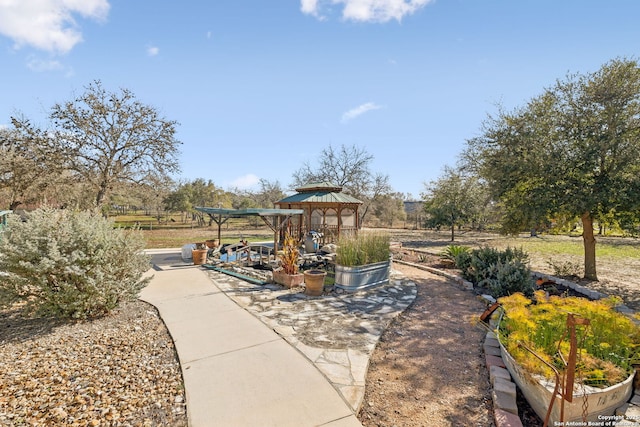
70 264
365 248
564 268
452 252
481 259
463 260
609 344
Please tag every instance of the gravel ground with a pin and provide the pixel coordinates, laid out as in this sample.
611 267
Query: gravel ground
119 370
428 368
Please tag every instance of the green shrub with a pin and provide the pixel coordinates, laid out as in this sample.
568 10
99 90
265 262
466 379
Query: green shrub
482 259
502 272
365 248
452 252
565 268
463 260
70 264
507 278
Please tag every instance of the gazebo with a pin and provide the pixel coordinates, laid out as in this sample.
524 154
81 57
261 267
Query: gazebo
327 210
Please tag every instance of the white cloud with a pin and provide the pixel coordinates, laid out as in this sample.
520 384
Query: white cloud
309 7
153 50
48 25
37 64
359 110
366 10
245 182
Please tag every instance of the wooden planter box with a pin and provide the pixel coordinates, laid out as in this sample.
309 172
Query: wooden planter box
362 276
288 280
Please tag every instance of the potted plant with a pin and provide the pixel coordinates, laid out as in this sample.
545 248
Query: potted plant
288 273
564 352
363 261
199 254
314 282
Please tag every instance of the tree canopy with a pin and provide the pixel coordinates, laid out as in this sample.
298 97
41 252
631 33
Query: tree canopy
27 165
349 168
573 150
110 137
453 199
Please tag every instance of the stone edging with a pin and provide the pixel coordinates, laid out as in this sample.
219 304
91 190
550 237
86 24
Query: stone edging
588 293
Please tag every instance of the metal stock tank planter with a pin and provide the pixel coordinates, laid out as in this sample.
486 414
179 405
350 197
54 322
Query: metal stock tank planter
362 276
362 262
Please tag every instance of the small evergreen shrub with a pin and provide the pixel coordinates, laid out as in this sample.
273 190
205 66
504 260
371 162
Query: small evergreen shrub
507 278
70 264
564 268
502 272
463 260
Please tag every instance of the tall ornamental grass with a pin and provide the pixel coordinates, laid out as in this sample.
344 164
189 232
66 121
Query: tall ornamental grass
70 264
364 248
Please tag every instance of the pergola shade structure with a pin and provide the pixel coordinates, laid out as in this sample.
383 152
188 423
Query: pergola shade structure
327 210
276 219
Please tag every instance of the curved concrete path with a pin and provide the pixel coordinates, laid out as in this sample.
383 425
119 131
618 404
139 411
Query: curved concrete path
237 372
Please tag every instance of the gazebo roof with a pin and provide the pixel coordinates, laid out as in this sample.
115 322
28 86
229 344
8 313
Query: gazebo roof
320 192
319 186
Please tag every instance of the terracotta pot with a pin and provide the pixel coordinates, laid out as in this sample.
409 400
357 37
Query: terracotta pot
199 256
288 280
314 282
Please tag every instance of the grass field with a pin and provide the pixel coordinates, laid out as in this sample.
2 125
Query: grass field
178 237
617 258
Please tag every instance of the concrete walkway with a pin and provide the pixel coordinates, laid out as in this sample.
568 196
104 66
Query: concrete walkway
237 372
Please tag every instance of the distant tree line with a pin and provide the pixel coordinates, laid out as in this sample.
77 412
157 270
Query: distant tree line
109 151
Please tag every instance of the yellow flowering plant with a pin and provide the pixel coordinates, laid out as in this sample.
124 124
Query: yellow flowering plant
608 345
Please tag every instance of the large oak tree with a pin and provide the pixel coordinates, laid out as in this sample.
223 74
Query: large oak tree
111 137
572 151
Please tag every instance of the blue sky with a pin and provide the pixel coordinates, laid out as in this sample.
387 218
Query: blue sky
261 86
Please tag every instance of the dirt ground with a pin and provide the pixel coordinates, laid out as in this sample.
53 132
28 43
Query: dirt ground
429 369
